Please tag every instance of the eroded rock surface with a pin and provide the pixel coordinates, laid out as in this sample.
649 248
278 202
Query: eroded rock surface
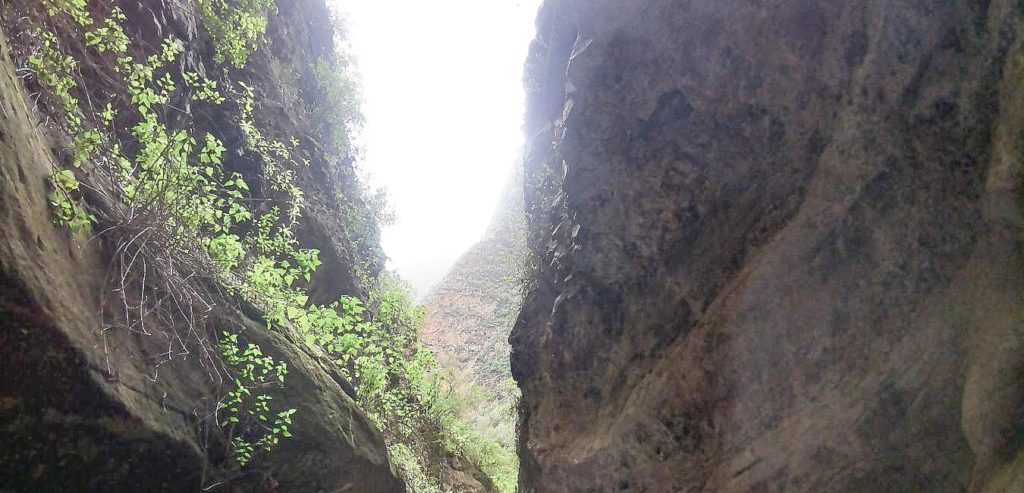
779 247
85 406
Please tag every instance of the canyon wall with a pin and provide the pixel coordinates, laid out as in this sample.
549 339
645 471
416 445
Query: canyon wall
88 405
777 247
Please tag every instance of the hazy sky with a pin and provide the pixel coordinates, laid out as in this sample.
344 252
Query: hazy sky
443 100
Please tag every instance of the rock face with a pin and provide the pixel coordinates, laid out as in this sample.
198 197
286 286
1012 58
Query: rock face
88 407
470 312
778 247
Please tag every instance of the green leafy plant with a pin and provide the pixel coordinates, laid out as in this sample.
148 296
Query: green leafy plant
235 26
175 186
246 408
169 203
67 210
401 386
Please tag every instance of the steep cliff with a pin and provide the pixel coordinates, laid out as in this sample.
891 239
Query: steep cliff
115 376
778 247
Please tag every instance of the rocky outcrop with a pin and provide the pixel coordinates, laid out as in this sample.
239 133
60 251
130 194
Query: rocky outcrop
470 312
778 247
86 406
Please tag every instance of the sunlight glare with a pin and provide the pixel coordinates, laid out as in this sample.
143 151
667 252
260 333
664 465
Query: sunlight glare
443 100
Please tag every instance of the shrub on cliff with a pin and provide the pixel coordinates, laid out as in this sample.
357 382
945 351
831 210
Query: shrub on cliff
199 211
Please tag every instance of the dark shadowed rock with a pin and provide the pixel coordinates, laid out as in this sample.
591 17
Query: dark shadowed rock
778 247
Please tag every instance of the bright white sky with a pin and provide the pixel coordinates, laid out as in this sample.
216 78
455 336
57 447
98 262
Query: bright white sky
443 100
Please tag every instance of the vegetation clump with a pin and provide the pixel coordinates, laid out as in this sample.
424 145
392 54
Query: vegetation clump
235 26
247 404
145 176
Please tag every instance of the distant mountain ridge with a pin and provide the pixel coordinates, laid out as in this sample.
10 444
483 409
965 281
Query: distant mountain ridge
471 311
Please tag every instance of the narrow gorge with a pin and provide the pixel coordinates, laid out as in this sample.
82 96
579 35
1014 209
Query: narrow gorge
750 246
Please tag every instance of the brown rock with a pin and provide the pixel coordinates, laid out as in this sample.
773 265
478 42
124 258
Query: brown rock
791 251
85 407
